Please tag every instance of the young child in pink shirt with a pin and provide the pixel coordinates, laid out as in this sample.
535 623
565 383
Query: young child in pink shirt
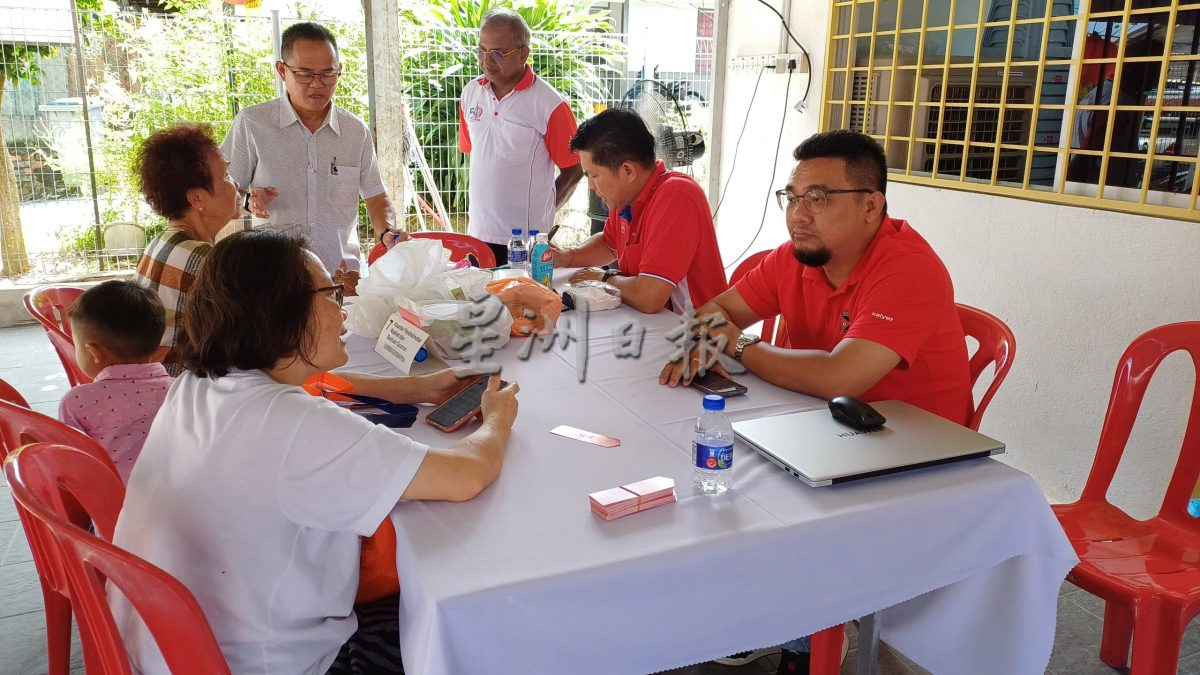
117 326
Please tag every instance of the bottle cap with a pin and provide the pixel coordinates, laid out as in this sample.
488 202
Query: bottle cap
714 402
534 233
516 231
422 354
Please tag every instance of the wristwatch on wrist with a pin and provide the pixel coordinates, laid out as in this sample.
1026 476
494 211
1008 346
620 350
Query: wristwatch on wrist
744 340
609 273
246 202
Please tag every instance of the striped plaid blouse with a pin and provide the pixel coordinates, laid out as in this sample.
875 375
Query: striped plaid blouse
168 267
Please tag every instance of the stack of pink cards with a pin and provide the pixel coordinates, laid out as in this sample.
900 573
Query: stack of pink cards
622 501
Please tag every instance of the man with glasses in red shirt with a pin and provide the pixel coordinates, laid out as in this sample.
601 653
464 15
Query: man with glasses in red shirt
304 162
868 307
517 129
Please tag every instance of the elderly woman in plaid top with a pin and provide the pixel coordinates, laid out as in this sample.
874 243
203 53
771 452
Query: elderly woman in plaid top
185 180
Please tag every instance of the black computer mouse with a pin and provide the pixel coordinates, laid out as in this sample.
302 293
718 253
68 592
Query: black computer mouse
855 414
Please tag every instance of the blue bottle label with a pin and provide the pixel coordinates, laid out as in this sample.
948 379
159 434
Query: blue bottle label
713 457
517 255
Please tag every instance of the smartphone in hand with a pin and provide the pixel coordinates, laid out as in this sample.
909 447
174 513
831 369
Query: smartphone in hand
461 408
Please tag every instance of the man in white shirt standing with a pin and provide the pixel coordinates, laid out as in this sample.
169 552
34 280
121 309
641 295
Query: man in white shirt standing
517 129
304 162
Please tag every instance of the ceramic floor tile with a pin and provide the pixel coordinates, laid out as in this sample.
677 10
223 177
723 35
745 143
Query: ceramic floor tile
20 590
18 550
23 643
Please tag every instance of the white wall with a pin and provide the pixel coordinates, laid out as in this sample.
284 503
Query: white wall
1076 285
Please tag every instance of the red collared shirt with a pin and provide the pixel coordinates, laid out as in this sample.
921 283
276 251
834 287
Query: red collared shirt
899 295
515 144
668 233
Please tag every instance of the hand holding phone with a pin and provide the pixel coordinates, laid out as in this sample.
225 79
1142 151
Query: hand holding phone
499 405
468 403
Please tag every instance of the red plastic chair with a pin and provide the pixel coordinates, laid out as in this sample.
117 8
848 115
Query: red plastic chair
769 330
42 477
9 393
458 244
19 426
997 347
49 305
1147 571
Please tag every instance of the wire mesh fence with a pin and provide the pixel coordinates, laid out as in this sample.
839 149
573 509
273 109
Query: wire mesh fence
102 83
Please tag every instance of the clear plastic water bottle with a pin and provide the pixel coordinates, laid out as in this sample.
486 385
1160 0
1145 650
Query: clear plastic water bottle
518 253
712 448
541 261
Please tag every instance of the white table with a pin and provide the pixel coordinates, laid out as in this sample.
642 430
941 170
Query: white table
964 560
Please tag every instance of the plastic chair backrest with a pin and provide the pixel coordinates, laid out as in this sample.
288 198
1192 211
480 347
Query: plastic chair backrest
1134 371
768 325
38 475
20 425
459 246
9 393
49 305
997 347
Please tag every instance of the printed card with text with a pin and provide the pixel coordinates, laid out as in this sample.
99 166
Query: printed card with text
400 340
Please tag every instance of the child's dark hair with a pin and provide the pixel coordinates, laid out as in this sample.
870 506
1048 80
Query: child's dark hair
126 319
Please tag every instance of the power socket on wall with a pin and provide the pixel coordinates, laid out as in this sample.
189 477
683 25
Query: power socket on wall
780 63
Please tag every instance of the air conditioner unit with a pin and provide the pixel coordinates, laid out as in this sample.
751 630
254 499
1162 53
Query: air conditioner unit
985 122
869 96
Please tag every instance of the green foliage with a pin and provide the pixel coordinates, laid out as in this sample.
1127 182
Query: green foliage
571 51
20 62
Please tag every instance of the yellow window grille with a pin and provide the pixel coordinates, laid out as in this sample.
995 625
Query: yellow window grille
1016 97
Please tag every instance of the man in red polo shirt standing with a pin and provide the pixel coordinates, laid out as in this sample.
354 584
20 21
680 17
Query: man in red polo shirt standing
868 307
659 228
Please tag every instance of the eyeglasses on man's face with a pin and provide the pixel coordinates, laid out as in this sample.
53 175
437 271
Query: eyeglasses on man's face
307 76
337 290
814 199
495 54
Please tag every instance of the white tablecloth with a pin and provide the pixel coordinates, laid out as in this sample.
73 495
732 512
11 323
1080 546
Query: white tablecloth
967 558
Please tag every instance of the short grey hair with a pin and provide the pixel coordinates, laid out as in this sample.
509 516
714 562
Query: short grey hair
514 22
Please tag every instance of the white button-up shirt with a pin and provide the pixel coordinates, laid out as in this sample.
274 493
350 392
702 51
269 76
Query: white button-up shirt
320 175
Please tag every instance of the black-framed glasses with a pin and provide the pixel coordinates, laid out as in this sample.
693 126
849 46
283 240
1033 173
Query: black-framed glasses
495 54
814 199
338 290
307 76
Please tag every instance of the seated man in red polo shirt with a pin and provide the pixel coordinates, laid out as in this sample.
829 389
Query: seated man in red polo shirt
867 306
659 228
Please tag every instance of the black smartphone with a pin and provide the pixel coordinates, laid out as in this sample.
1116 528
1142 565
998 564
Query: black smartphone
462 408
712 383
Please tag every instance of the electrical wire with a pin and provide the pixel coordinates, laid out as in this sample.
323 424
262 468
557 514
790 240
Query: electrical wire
738 146
804 51
771 184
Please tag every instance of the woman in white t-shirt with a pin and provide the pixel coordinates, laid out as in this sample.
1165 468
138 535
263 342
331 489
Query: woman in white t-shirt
254 494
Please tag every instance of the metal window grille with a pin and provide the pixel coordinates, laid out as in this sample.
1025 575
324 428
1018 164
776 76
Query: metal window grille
1024 90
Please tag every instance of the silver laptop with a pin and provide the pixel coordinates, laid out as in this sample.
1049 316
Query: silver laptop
818 450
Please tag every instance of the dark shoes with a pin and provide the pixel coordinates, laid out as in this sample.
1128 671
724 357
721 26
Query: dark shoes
793 663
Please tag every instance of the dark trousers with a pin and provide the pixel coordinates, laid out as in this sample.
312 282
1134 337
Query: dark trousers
374 649
501 252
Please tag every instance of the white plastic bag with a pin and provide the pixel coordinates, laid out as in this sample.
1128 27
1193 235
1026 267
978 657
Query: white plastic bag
412 272
472 322
598 295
